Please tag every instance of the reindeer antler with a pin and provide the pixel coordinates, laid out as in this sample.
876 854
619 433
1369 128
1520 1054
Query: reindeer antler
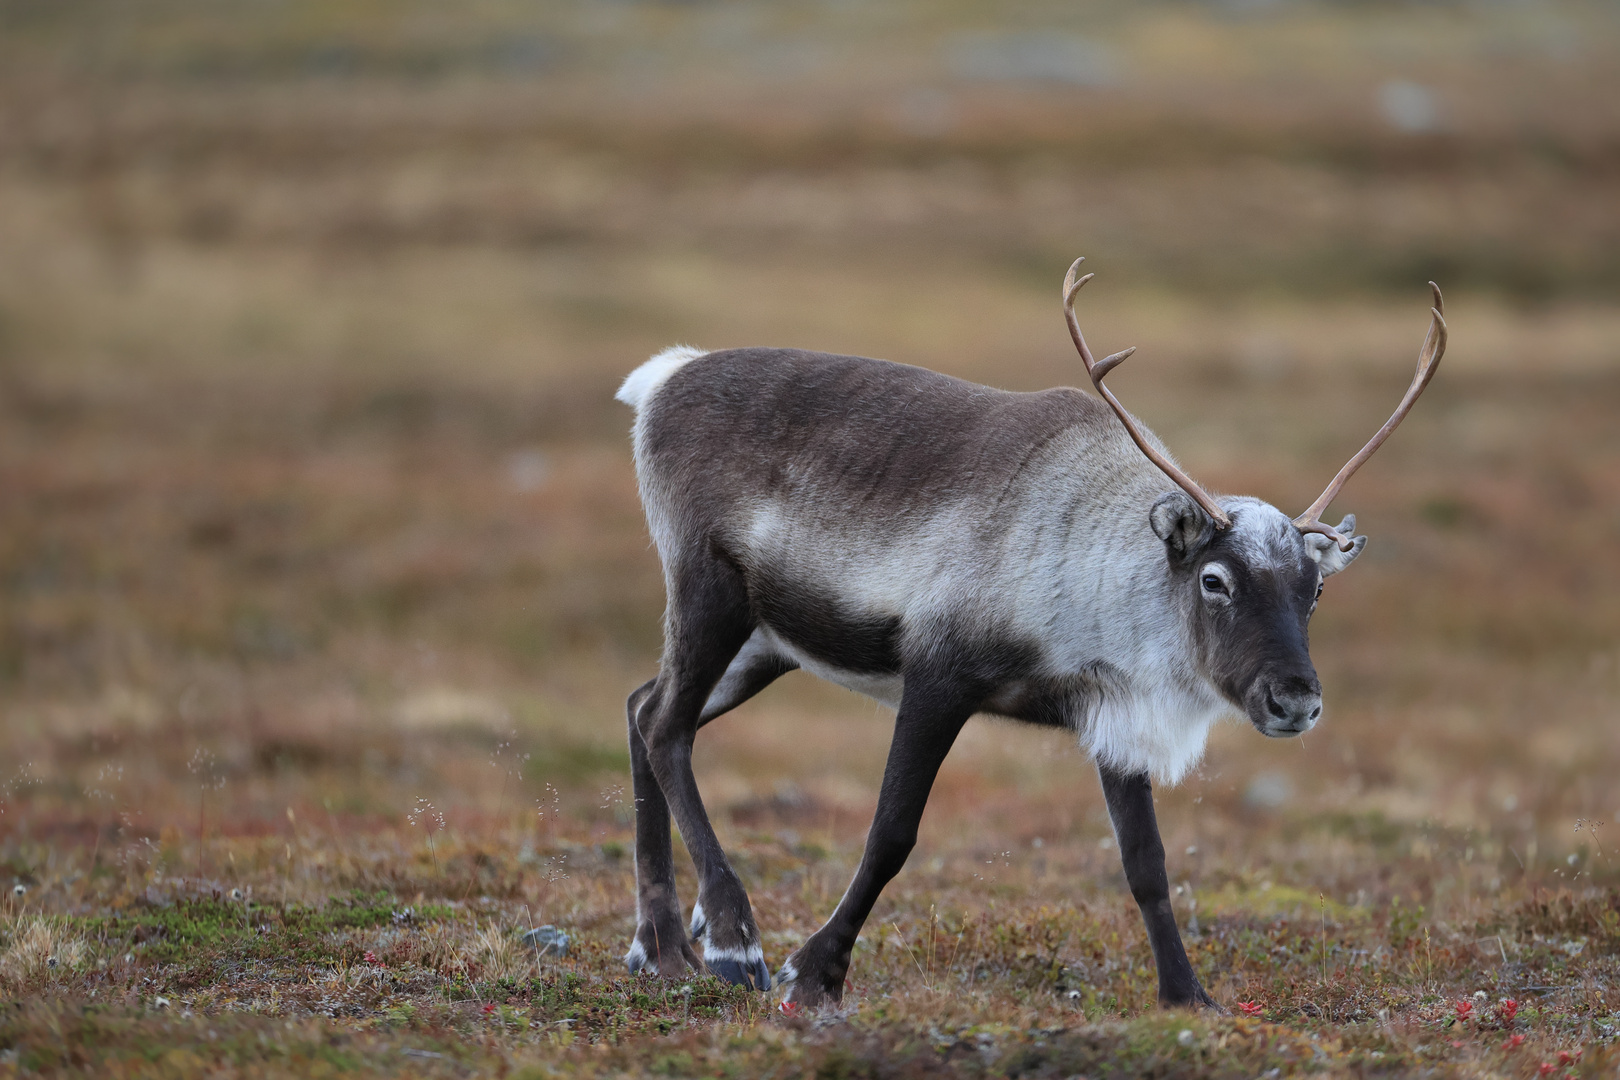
1098 368
1434 347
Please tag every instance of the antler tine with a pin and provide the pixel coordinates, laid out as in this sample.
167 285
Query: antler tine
1434 347
1098 368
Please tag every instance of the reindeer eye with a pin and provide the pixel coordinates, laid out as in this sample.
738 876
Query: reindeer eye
1213 584
1319 590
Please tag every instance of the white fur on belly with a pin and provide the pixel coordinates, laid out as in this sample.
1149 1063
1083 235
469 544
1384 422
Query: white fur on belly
1163 734
882 688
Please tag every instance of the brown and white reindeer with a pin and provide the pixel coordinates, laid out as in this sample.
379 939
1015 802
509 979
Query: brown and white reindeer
949 549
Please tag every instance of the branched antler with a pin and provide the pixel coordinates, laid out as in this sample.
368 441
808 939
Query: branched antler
1434 347
1099 368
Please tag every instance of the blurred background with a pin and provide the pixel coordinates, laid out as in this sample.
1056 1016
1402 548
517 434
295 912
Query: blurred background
316 509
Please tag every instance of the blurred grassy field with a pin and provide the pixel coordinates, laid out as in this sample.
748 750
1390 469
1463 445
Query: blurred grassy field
315 510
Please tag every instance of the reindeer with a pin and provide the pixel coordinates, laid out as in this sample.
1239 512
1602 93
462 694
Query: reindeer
949 549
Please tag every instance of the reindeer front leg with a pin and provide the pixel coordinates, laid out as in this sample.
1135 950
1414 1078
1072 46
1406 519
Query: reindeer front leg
932 712
1130 805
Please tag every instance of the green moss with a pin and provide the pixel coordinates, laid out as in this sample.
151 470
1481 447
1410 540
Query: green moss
1371 828
200 932
625 1005
1405 923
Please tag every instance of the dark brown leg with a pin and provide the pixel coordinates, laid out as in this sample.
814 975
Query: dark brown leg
1130 805
929 720
708 622
660 942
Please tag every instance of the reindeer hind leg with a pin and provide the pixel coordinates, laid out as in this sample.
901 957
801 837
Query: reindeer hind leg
709 621
660 943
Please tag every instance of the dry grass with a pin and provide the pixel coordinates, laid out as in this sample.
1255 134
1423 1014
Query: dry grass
324 575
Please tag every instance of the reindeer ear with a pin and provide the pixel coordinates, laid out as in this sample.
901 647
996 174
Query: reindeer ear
1183 526
1325 550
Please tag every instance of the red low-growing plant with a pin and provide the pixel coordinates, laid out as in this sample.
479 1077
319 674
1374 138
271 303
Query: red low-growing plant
1507 1010
1250 1008
1514 1042
371 958
1465 1009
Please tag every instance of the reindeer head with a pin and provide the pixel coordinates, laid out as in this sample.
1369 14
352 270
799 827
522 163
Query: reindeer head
1248 592
1249 576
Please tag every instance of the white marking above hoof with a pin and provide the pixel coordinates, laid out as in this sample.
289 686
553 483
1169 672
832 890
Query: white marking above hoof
747 954
636 958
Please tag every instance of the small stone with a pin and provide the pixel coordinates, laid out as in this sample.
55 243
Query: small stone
1409 106
547 941
1268 791
1186 1037
528 469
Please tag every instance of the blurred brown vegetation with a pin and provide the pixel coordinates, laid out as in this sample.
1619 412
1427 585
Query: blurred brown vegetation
310 315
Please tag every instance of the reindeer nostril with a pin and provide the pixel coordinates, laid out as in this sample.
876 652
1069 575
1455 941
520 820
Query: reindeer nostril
1316 712
1275 708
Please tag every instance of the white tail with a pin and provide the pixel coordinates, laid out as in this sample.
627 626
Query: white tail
640 384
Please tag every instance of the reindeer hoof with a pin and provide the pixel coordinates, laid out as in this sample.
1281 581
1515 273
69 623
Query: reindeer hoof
804 994
741 963
1198 1001
747 971
679 963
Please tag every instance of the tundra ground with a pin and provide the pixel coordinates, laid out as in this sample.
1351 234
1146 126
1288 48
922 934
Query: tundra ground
324 576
